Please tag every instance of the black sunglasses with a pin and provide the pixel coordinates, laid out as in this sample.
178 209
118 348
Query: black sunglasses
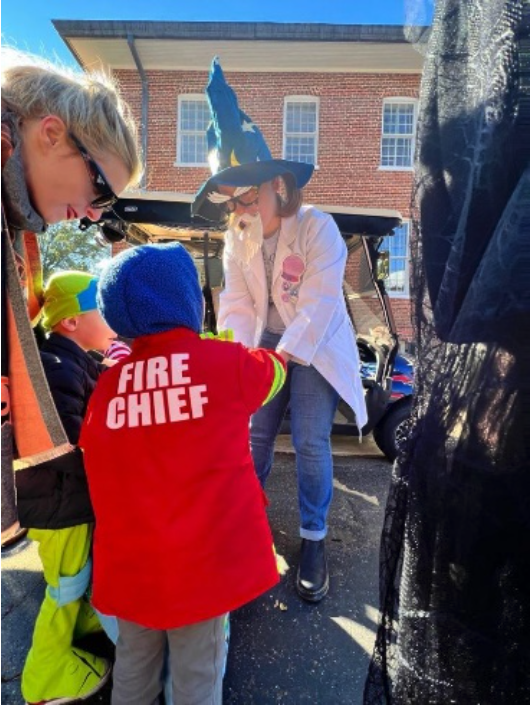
107 198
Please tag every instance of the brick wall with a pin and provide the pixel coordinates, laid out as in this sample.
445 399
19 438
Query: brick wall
350 116
402 317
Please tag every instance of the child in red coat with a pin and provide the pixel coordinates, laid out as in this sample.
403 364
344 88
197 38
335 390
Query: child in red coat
181 534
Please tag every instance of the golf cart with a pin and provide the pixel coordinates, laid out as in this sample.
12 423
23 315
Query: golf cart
146 220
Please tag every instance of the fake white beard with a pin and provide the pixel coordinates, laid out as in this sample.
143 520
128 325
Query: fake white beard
244 238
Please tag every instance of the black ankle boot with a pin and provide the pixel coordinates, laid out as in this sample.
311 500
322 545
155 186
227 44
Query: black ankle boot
312 580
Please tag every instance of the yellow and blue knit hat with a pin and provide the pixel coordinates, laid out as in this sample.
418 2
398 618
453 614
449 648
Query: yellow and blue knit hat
68 294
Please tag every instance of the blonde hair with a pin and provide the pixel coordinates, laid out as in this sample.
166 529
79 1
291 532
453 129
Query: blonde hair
89 104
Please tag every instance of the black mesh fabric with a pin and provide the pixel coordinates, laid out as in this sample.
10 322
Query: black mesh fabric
455 549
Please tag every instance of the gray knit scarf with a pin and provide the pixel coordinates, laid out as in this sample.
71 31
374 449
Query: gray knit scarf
20 214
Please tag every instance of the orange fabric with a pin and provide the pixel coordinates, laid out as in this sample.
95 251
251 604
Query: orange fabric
33 271
19 401
31 434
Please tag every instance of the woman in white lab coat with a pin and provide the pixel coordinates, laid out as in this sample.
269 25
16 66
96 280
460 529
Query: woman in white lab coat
284 267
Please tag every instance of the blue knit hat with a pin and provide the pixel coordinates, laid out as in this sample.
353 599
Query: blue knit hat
151 289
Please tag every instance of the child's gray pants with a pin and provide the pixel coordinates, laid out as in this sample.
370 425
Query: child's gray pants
197 656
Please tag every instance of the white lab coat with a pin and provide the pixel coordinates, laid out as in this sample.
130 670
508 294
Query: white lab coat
307 291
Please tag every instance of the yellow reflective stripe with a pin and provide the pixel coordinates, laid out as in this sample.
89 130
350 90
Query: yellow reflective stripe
279 379
227 335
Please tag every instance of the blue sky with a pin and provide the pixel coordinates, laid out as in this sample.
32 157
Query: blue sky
27 25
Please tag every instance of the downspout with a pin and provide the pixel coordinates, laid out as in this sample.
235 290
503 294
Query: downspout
145 103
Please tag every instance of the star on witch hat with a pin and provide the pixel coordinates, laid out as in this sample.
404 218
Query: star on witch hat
237 151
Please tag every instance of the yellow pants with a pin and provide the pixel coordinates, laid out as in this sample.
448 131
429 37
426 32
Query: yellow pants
54 668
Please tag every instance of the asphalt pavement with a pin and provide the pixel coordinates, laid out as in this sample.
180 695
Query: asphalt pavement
282 650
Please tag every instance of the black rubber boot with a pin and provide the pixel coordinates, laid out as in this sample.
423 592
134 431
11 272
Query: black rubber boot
312 580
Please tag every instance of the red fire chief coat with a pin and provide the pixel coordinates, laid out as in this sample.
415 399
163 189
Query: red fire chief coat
181 530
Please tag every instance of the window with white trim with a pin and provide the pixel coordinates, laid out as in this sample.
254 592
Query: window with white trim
397 246
193 119
300 129
398 129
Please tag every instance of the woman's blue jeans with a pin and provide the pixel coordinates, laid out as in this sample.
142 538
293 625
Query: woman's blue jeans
313 403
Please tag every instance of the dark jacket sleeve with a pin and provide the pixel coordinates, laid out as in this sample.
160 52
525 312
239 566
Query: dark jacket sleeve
68 387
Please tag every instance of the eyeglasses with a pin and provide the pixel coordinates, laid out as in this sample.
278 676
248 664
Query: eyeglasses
106 198
232 204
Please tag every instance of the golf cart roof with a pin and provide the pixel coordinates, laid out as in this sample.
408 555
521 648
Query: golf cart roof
146 217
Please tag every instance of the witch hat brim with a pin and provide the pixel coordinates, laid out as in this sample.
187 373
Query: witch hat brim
250 174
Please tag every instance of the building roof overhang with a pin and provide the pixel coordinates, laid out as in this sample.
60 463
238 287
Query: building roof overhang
245 46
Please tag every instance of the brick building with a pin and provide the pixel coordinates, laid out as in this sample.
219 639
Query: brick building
343 97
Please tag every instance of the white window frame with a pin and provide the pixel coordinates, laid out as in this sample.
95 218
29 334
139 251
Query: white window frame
402 101
181 99
405 294
300 99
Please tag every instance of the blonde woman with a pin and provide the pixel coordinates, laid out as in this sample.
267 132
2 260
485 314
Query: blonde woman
68 148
